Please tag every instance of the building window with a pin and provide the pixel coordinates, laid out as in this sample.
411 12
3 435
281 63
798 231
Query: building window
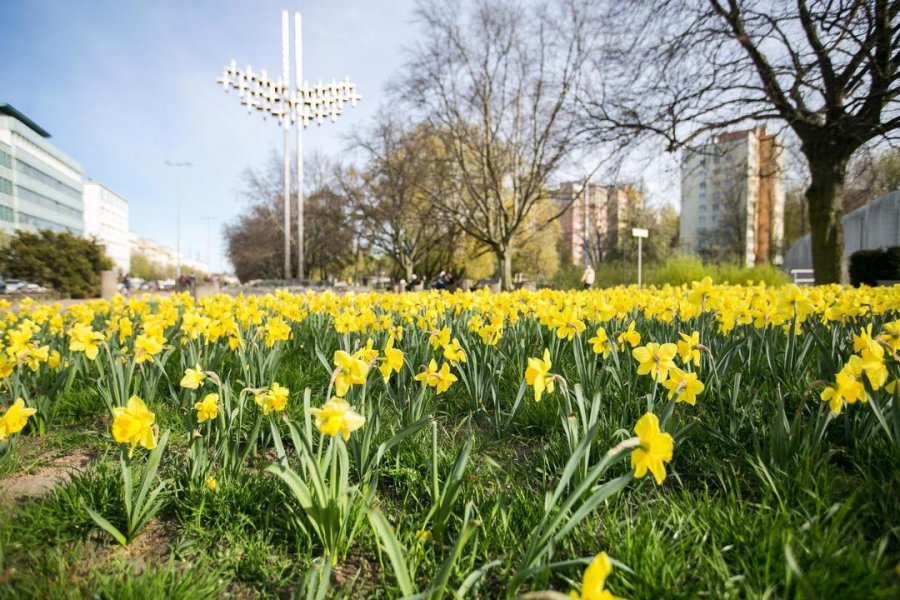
47 180
716 195
39 223
5 159
716 206
702 220
702 208
715 218
702 184
5 186
41 200
6 214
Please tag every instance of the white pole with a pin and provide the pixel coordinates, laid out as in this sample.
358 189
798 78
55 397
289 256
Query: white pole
639 263
298 65
177 223
286 78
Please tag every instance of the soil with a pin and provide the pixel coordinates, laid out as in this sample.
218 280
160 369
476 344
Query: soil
30 486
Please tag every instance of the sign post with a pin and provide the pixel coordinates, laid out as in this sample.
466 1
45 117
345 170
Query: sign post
640 234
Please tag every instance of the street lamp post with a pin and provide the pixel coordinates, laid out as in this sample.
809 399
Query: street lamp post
299 104
640 234
209 219
178 166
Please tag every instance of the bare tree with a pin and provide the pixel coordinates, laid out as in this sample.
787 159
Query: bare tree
253 238
497 80
390 195
826 69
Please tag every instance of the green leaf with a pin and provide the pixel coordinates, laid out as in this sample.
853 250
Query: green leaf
393 549
106 526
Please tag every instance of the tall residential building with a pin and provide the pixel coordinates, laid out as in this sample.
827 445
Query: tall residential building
595 219
40 187
106 220
732 198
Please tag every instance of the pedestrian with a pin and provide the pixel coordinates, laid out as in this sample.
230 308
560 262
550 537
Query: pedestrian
587 278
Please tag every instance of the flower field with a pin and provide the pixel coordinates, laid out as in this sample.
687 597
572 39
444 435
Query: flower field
676 442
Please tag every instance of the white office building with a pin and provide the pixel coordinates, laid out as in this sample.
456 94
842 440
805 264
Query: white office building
106 220
40 187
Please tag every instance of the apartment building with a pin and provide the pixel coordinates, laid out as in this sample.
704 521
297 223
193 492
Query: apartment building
732 198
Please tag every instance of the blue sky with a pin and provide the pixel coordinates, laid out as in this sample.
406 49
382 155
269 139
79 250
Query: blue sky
123 86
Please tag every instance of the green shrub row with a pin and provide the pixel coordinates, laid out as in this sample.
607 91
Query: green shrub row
676 270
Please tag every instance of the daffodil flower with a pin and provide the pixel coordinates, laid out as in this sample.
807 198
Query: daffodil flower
654 451
193 378
208 408
15 418
337 417
133 424
538 375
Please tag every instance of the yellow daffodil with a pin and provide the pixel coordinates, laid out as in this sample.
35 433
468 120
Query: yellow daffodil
537 374
453 352
601 343
208 408
146 347
276 329
211 484
84 339
847 388
337 417
440 379
630 336
655 449
15 418
393 360
567 324
685 384
872 364
593 582
272 400
193 378
655 360
351 370
700 291
689 348
440 337
133 424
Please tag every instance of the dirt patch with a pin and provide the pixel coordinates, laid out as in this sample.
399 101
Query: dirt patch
38 484
151 547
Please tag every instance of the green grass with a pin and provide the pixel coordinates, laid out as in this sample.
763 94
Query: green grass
738 517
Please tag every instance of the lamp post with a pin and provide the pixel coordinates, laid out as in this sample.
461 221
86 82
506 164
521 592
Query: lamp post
640 234
298 105
178 166
209 219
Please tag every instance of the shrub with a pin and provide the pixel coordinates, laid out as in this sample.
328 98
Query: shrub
676 270
69 264
868 267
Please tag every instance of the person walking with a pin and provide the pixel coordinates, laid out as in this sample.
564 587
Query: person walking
587 278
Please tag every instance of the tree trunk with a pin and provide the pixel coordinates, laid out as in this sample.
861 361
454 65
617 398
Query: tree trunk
504 267
823 198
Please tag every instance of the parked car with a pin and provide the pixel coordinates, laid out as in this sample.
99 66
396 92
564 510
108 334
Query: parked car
2 286
12 286
32 288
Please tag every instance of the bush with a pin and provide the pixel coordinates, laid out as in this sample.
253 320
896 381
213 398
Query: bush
676 270
868 267
69 264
